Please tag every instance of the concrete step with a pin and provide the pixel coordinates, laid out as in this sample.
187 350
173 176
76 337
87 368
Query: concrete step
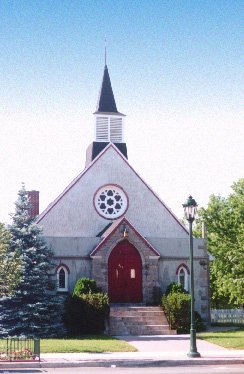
136 308
132 320
138 320
135 313
132 313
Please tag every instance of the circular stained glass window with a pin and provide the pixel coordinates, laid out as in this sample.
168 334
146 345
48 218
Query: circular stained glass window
111 201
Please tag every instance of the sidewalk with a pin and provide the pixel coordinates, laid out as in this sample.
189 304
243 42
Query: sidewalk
163 350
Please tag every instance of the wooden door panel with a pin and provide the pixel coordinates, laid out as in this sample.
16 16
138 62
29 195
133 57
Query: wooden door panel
125 274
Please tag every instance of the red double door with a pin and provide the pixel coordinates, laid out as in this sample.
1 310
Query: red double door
125 274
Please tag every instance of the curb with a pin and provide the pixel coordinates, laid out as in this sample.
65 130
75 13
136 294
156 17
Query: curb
124 363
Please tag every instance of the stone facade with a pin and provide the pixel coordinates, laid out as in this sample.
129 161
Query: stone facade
149 257
168 273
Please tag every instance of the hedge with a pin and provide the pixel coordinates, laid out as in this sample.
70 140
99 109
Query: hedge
176 305
86 313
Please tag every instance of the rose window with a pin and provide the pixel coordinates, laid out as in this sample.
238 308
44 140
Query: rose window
110 201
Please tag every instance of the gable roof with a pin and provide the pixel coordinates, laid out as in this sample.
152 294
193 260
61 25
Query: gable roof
112 228
100 234
110 145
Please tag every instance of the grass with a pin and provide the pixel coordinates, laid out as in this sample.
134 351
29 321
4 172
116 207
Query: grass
229 339
88 343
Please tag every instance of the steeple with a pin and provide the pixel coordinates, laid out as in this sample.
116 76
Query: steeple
106 102
109 123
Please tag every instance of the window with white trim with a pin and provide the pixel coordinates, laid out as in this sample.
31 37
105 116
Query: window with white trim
110 201
62 279
183 278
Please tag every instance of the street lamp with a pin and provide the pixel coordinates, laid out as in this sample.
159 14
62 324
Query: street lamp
190 209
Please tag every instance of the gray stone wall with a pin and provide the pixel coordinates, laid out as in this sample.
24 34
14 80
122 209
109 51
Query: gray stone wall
78 268
167 274
157 273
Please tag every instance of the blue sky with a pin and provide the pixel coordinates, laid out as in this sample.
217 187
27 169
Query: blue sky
176 72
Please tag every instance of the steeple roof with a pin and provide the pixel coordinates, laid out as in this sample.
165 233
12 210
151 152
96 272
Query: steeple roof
106 102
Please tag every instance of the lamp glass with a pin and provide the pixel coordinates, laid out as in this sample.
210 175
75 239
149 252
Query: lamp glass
190 208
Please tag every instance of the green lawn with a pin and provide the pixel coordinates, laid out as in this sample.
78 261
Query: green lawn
228 339
90 343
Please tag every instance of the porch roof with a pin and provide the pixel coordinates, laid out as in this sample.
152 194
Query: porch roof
111 229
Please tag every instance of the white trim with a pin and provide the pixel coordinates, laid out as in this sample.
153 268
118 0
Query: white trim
186 277
111 206
109 128
110 145
66 288
110 231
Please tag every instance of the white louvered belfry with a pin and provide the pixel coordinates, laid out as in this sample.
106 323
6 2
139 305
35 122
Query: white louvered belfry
102 129
109 129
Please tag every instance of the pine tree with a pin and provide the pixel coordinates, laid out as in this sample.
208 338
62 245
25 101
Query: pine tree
10 264
32 310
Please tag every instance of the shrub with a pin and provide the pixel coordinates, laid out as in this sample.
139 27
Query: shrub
85 286
175 287
200 326
176 306
86 312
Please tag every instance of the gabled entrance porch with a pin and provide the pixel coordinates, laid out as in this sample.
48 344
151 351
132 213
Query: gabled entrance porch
126 268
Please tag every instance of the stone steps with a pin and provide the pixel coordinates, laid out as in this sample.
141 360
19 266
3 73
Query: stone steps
138 320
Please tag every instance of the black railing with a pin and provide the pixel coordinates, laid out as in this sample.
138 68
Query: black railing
20 349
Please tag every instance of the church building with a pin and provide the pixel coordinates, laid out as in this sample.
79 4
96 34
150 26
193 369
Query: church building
109 225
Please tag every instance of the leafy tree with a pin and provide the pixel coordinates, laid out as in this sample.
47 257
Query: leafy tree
224 220
10 265
31 310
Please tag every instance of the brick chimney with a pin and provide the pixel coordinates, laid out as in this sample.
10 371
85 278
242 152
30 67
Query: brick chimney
34 202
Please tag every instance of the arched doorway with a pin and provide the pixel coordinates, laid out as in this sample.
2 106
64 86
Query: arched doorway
125 274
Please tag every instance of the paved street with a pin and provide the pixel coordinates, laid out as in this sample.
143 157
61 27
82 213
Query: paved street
220 369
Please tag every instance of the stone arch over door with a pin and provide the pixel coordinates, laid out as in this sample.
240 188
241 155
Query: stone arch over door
125 274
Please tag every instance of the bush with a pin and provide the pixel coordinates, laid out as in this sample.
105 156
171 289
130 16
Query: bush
85 286
175 287
200 326
85 312
176 305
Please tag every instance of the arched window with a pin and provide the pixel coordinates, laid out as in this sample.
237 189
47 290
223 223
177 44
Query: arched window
62 279
183 276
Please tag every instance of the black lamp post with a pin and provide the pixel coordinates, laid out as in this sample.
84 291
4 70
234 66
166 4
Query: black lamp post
190 209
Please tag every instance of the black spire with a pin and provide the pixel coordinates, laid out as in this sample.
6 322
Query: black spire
106 102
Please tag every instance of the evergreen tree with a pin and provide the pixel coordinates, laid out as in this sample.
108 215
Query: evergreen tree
32 310
10 264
